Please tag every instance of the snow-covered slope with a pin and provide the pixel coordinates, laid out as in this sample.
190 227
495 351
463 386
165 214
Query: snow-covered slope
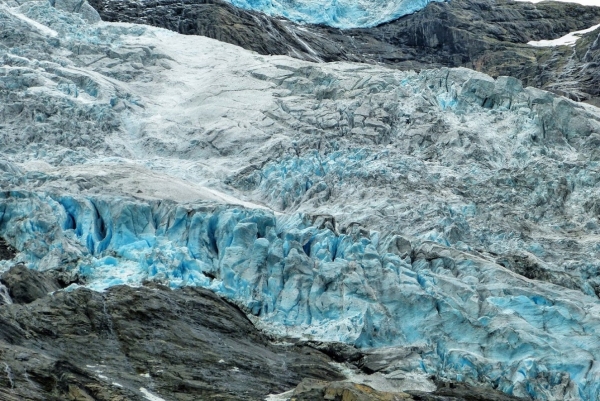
446 214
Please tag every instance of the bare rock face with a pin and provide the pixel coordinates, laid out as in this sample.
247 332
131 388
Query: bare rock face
25 286
459 391
319 390
7 252
485 35
313 390
128 343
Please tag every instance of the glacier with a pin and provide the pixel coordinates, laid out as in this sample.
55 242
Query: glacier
455 315
443 216
343 14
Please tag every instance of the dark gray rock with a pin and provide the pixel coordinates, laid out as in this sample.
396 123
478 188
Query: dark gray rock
180 345
485 35
339 352
451 391
7 252
313 390
25 286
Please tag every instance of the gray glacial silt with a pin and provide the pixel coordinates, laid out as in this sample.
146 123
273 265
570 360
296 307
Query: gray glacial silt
444 216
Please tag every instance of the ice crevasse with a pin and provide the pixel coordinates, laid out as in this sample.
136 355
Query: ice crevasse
454 315
342 14
440 310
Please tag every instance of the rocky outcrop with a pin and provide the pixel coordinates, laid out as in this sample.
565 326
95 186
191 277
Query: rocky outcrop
488 36
313 390
7 252
128 342
153 343
25 286
459 391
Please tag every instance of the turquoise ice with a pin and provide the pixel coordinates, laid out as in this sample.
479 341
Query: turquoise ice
342 14
464 318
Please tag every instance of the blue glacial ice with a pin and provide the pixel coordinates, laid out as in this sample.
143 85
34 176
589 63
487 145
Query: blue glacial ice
344 14
435 180
462 317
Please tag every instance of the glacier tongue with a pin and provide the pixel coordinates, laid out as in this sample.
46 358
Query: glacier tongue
344 14
341 202
462 317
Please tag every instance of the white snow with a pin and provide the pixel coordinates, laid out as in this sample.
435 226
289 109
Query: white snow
394 382
285 396
569 39
149 396
135 179
34 24
595 3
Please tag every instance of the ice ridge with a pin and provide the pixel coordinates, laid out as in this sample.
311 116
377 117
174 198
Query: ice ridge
344 14
452 314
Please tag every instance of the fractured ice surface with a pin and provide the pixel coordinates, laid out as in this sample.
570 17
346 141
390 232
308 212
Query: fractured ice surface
461 316
445 217
337 13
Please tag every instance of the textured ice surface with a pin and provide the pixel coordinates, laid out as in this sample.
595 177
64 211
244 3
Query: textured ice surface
452 314
337 13
445 217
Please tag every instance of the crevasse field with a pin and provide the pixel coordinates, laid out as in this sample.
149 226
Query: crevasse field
338 202
342 14
346 14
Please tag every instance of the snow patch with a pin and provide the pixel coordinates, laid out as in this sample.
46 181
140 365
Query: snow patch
149 396
594 3
567 40
36 25
280 397
393 382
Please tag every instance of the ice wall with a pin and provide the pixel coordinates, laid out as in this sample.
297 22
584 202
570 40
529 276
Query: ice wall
460 316
342 14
